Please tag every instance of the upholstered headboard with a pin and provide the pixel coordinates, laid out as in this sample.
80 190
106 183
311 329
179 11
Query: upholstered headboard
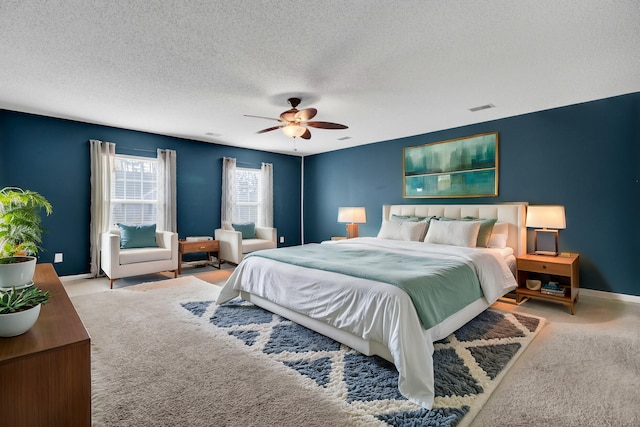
511 213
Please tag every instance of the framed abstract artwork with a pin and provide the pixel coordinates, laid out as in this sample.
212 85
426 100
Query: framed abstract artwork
463 167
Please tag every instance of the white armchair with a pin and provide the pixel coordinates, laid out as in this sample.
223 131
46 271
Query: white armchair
118 263
233 247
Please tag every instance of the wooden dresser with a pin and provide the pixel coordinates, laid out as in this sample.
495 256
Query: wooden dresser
45 373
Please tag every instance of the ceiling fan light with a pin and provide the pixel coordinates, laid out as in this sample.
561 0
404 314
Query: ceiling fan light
293 130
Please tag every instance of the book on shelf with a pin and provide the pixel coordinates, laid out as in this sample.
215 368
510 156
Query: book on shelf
553 288
556 292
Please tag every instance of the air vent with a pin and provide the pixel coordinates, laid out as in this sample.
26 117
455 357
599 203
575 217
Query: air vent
482 107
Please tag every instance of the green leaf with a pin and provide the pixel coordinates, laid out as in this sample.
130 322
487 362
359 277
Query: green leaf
20 220
15 300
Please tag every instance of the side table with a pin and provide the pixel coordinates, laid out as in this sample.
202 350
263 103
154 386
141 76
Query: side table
45 373
188 247
562 269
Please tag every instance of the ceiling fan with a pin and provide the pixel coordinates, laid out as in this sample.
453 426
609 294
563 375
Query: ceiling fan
294 123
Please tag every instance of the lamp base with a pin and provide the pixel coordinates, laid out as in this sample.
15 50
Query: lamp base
535 243
352 231
546 253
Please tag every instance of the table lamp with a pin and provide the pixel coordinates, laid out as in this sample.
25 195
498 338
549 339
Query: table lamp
544 218
352 216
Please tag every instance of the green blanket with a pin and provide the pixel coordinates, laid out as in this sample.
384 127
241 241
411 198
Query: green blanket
438 288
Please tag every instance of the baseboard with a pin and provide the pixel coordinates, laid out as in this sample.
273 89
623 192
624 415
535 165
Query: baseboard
584 291
75 277
610 295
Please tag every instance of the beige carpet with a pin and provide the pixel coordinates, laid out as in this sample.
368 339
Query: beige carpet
583 370
200 381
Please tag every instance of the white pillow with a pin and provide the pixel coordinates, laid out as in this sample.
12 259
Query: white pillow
499 235
226 225
413 231
457 233
407 231
498 241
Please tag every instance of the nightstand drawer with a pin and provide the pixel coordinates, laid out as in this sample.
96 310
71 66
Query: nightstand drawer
187 247
206 246
544 267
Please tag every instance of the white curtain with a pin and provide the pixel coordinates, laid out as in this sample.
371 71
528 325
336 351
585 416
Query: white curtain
102 154
167 218
228 205
265 214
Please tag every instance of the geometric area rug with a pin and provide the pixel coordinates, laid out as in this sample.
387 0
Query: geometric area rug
468 365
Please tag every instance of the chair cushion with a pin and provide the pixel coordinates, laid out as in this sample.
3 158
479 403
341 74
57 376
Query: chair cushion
137 236
248 230
133 256
251 245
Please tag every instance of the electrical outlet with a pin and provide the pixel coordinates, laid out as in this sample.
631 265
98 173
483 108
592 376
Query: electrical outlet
281 239
57 257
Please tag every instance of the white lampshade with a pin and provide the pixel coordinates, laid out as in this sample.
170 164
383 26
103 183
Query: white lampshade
546 217
352 215
293 130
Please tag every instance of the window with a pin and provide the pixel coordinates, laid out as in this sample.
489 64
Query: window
247 194
134 193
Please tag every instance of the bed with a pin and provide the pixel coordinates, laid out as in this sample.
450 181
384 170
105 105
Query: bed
375 317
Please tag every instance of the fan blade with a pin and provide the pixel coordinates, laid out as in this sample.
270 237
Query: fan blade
306 114
261 117
289 115
325 125
306 135
269 129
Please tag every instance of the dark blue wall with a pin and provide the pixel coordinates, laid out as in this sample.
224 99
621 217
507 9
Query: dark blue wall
51 156
3 157
585 157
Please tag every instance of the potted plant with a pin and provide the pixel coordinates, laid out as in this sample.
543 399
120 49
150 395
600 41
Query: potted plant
20 233
20 222
19 309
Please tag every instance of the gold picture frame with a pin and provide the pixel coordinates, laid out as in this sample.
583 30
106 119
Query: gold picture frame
455 168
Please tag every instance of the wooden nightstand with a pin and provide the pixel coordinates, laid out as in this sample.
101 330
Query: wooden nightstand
189 247
562 269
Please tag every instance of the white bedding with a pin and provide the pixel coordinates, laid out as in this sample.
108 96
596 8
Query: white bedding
372 310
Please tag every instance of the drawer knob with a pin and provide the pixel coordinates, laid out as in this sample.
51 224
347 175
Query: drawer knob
544 266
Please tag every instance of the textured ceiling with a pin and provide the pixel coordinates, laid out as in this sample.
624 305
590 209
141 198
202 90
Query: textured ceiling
387 69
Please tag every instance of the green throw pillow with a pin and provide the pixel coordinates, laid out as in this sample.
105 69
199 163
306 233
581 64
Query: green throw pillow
484 234
408 218
137 236
248 230
404 218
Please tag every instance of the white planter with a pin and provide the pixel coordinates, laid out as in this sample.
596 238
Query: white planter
13 324
16 271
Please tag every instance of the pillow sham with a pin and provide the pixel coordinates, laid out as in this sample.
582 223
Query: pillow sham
486 227
498 241
409 218
500 228
137 236
499 235
402 230
247 229
405 218
456 233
